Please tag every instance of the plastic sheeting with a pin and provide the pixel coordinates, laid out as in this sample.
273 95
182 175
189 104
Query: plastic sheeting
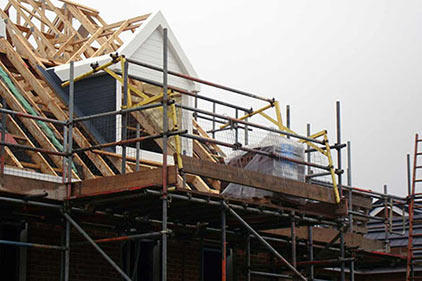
272 143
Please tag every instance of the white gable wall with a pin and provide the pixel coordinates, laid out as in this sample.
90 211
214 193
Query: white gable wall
147 46
151 52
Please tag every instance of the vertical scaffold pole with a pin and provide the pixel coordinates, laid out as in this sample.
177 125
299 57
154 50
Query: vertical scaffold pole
246 131
164 175
386 222
308 155
248 257
223 244
339 159
69 167
288 118
138 145
236 127
349 183
213 119
70 128
201 245
293 236
67 252
339 166
311 252
125 115
95 245
64 170
196 106
352 270
3 137
349 163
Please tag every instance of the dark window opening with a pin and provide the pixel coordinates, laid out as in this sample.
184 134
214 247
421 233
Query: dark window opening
9 255
139 260
212 263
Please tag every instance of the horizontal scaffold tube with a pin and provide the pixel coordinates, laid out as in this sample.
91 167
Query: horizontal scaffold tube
234 120
32 245
117 112
37 149
257 151
30 116
123 238
211 84
184 92
123 142
244 207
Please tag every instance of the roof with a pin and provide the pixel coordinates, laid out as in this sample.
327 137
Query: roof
376 230
50 34
146 46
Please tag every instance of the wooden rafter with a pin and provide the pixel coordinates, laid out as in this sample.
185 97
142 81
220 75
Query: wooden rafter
55 38
36 38
47 97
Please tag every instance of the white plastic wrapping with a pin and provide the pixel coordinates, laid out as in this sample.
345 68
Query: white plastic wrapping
278 145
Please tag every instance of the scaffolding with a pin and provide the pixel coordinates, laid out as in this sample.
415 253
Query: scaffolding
115 178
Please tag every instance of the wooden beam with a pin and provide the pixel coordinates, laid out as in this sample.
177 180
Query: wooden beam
131 20
42 17
44 61
122 183
85 46
13 158
198 183
31 125
37 157
20 42
111 39
128 158
44 40
360 201
23 92
326 235
202 152
103 23
107 33
257 180
28 186
86 8
66 23
47 97
204 134
85 21
64 46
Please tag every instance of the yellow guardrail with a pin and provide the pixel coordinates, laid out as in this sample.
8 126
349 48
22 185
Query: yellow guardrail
326 151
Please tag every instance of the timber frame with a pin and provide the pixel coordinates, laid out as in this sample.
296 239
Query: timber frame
51 159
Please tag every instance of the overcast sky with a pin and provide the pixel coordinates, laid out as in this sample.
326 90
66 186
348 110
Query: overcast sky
308 54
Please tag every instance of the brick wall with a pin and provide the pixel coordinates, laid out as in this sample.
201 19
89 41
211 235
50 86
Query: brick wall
86 262
184 259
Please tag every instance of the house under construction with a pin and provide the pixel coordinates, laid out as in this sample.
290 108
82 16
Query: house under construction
116 164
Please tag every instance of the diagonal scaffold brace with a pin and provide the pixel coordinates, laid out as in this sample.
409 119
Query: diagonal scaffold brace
95 245
263 241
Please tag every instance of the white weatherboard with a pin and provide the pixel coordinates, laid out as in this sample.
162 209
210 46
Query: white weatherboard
146 46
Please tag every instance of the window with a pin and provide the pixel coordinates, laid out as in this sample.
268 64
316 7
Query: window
9 255
139 260
211 264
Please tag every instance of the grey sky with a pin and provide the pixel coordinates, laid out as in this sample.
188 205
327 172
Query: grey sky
308 54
